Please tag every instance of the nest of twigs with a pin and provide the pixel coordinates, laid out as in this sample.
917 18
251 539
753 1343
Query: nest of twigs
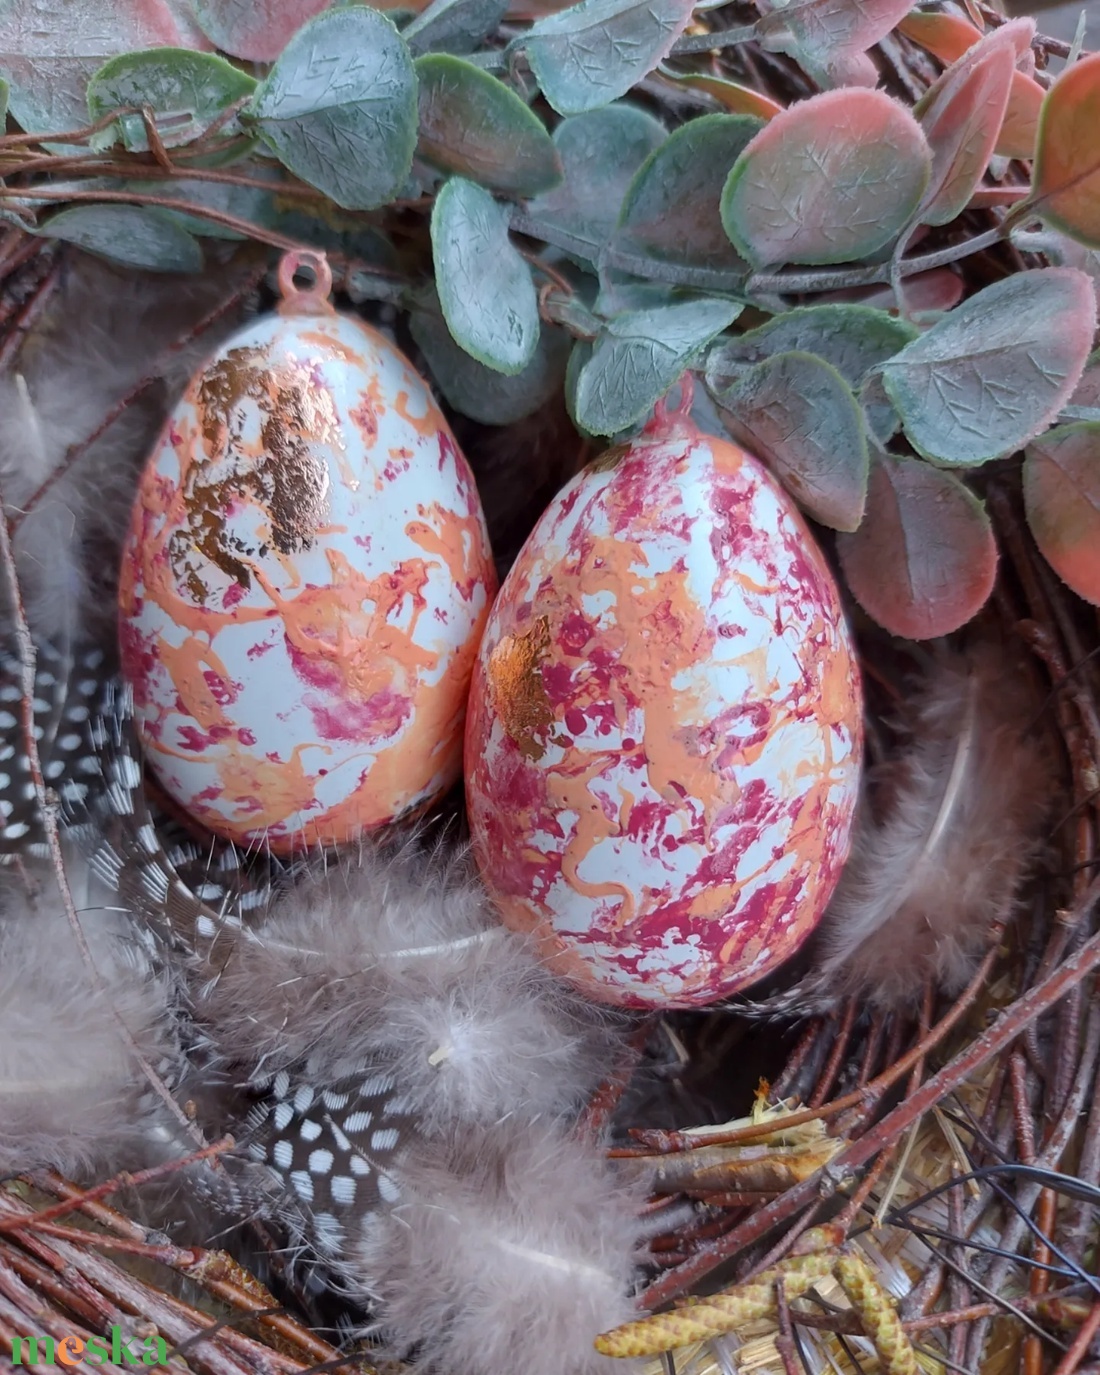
955 1154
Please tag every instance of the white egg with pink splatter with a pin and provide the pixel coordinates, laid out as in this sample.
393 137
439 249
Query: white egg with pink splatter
304 586
663 747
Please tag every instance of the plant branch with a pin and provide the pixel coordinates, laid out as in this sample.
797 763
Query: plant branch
1012 1022
240 226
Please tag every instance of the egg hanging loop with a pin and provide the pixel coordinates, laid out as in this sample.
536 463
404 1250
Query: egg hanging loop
310 300
668 421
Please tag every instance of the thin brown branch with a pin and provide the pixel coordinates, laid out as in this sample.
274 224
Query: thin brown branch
76 451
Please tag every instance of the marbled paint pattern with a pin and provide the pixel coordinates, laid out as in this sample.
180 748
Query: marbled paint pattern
304 586
664 738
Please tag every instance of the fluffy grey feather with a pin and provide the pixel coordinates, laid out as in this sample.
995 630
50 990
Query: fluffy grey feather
957 826
103 332
392 957
511 1250
72 1093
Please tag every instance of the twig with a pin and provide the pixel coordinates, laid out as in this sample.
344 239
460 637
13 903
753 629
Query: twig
1081 1343
76 451
30 312
784 1341
836 1055
234 222
664 1142
1008 1026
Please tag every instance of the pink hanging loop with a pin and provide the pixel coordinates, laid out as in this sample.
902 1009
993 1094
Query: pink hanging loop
668 420
309 300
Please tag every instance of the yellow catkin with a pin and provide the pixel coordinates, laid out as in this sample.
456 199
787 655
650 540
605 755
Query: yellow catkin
661 1332
878 1315
716 1313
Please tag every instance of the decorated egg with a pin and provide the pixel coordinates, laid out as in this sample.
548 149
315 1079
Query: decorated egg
304 585
664 738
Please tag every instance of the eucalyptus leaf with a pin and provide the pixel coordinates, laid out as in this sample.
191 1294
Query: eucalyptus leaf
639 355
257 30
961 115
831 179
829 38
997 369
339 108
186 91
797 413
484 395
49 50
672 209
473 124
578 361
853 338
924 559
1062 498
485 287
600 152
139 236
1066 177
5 92
454 26
592 53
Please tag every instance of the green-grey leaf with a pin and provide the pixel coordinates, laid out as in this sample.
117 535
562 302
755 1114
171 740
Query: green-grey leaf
600 152
853 338
594 52
485 288
5 91
186 91
139 236
578 360
638 357
490 397
797 413
672 207
995 370
339 107
453 26
619 293
473 124
828 180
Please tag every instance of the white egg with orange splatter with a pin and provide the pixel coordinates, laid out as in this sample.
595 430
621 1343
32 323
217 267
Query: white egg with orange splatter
304 586
664 736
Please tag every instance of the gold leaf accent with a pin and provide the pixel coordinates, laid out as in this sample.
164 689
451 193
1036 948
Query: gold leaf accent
287 478
515 681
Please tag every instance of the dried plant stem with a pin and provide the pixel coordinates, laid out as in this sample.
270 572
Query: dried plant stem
661 1142
30 312
1081 1343
234 222
836 1055
784 1341
1009 1025
77 450
1048 1158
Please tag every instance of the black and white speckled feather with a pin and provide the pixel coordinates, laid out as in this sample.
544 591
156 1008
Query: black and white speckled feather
68 691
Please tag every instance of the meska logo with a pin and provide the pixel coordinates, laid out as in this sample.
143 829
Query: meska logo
73 1351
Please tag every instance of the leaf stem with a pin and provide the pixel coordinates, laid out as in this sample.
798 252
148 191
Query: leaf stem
656 270
241 226
718 38
831 279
